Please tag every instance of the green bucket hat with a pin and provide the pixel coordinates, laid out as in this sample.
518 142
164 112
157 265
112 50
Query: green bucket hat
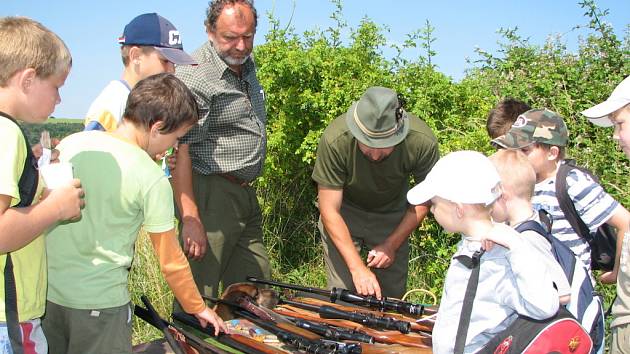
535 126
377 119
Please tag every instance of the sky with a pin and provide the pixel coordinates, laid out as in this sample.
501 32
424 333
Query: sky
91 28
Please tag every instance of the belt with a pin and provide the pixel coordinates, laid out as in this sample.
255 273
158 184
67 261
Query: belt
234 179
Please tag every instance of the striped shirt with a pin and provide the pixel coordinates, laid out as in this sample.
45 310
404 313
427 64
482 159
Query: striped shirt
592 203
230 135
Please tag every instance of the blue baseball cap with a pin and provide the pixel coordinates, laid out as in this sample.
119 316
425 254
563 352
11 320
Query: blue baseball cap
154 30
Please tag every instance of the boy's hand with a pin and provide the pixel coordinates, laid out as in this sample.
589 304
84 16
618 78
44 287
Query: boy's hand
499 234
67 200
171 161
208 316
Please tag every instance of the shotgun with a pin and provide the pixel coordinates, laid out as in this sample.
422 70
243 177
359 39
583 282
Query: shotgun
188 338
249 343
368 320
390 337
383 304
160 325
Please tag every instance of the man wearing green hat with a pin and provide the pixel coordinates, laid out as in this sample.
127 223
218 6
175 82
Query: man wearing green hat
364 160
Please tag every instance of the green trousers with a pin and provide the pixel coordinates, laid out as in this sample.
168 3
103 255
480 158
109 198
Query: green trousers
97 331
367 230
233 221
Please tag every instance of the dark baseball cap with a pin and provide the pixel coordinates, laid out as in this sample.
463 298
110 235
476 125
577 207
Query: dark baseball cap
153 30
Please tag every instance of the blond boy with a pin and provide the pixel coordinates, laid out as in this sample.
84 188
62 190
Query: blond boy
514 207
462 187
34 64
615 111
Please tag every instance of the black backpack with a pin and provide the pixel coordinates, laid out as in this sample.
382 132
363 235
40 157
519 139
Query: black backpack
27 187
603 242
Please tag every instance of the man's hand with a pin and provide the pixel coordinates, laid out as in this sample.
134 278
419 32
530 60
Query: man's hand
381 256
365 282
208 316
194 236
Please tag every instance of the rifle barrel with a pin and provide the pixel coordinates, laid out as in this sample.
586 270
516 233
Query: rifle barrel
384 304
358 317
307 289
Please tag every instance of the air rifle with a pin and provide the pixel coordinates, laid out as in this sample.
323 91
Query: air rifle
367 320
383 304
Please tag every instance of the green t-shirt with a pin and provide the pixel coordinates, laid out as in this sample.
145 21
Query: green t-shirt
29 262
89 260
370 186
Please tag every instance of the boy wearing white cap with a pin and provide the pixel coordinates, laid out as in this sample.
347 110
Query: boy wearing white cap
462 188
150 45
615 111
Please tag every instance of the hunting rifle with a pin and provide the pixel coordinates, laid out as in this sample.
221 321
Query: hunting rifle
383 304
244 304
412 341
236 343
285 332
334 333
423 325
368 320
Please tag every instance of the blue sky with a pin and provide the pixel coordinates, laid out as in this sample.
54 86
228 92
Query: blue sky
90 28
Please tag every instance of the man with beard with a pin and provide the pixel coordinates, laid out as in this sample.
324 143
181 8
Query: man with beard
364 160
222 154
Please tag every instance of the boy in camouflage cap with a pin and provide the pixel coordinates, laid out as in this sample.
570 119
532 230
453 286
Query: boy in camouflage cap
543 136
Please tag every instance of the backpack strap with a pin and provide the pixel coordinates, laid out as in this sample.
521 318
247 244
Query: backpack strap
532 225
27 188
565 202
471 290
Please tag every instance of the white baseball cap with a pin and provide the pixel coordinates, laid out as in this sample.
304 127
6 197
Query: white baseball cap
466 177
600 114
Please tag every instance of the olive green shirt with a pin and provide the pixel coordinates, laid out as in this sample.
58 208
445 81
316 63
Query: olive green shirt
374 186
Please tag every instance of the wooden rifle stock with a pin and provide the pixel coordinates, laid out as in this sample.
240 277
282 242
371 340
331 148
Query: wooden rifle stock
388 337
425 326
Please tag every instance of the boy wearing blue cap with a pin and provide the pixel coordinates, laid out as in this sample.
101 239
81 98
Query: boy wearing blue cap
150 45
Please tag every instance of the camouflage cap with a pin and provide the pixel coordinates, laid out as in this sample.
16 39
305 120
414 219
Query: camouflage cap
535 126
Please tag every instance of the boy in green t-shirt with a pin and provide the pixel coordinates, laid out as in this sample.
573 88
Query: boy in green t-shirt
88 308
34 64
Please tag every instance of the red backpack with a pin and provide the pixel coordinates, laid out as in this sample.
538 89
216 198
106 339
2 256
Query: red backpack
560 334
